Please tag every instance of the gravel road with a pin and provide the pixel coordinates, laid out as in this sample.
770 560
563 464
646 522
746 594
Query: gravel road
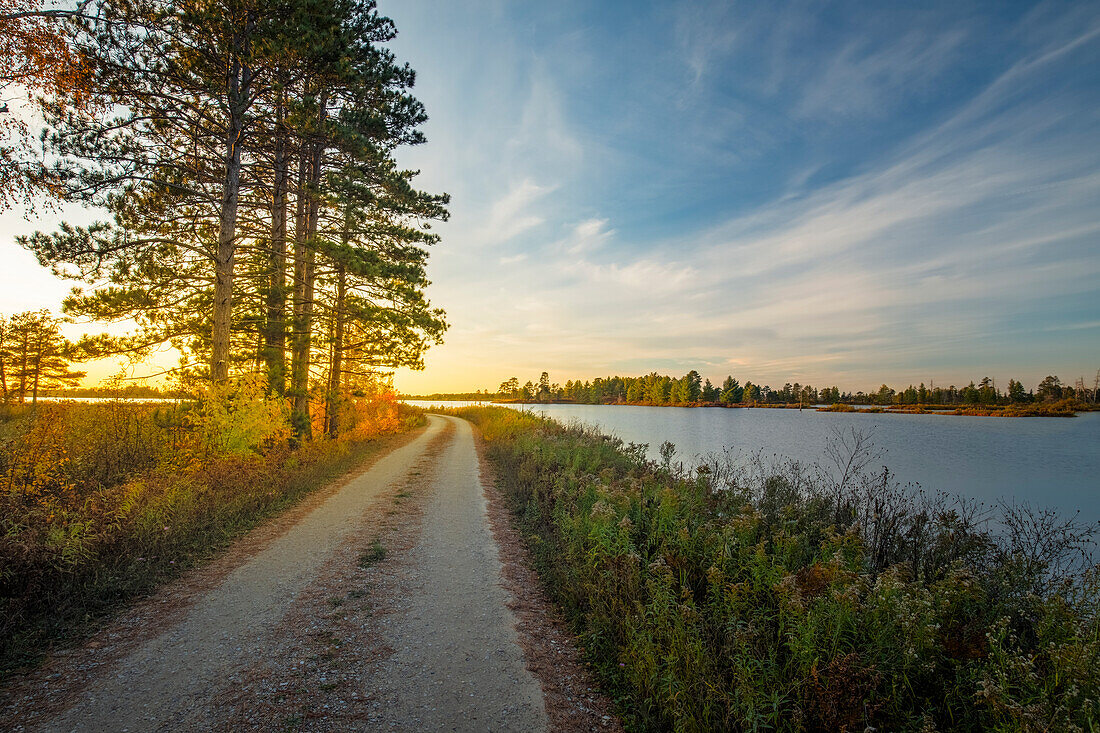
455 664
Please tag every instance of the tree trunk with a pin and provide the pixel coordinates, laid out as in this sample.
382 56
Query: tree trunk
332 408
23 370
304 275
274 347
299 357
37 374
4 335
240 79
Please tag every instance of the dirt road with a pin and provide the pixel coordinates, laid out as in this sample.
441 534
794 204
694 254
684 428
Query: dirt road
450 660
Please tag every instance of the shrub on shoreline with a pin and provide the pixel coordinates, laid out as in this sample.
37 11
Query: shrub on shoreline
781 596
837 407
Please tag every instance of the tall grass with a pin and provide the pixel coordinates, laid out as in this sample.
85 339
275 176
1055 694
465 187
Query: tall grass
786 597
99 503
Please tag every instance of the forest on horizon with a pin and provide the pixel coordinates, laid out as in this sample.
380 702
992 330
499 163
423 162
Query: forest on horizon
692 388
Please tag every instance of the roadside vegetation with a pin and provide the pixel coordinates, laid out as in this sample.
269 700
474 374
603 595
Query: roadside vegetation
102 502
781 596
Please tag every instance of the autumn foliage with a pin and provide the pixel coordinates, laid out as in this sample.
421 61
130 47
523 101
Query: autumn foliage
99 502
37 60
37 53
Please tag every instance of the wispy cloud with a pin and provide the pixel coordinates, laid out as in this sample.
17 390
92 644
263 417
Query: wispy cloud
1076 326
865 78
543 134
587 236
704 38
511 215
642 278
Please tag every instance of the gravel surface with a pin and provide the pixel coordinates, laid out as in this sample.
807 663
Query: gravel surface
573 701
456 662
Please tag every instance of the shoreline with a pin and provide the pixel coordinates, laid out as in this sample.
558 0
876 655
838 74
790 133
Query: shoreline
1057 409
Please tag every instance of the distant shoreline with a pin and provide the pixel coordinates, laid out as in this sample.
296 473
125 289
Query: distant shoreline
1063 408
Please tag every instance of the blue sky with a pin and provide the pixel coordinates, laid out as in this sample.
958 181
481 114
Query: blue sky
829 193
821 192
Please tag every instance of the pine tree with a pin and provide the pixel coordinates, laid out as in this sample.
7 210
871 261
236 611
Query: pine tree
732 392
1016 393
710 392
170 168
257 211
34 356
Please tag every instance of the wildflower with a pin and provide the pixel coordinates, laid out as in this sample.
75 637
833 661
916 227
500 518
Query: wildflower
602 509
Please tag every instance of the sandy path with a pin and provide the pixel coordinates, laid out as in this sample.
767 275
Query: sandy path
457 663
449 653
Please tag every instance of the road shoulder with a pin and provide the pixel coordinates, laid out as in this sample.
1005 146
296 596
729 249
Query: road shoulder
573 701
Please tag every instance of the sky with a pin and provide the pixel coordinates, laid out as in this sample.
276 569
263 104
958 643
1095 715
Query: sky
828 193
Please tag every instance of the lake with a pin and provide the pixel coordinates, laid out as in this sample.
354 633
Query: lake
1053 462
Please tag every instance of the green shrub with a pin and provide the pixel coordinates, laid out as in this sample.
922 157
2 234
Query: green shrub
237 417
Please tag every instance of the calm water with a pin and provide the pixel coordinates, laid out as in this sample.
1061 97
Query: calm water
96 400
428 404
1051 462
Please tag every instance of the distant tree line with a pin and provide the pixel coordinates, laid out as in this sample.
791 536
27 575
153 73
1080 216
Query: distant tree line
691 388
116 389
475 396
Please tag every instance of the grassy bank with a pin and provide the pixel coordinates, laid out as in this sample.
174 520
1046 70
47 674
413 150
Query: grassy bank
780 597
101 503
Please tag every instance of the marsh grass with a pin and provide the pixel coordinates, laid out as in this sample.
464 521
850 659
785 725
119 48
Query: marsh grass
773 595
